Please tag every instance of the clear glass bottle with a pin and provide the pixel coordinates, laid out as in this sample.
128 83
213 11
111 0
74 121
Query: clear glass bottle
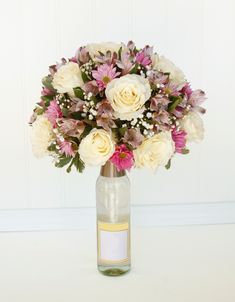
113 221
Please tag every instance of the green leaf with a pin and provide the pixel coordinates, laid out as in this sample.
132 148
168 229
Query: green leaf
47 82
39 110
135 50
65 112
134 69
47 99
79 93
78 163
168 165
94 99
76 115
68 170
122 130
86 131
85 77
119 53
63 161
116 134
175 101
52 148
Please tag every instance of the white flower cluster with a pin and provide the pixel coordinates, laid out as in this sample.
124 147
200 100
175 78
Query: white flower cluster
141 121
87 68
89 108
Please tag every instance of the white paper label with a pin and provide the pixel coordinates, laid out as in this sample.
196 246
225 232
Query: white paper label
113 244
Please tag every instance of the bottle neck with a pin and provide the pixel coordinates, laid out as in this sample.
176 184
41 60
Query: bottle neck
109 170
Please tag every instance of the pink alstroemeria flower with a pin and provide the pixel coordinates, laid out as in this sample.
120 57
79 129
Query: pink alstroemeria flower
122 158
66 148
46 91
125 63
104 74
197 97
73 59
53 112
143 57
179 137
187 90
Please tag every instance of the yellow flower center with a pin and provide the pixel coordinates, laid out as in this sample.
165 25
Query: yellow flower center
106 79
122 155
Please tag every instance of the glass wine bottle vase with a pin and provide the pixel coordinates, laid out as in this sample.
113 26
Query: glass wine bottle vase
113 221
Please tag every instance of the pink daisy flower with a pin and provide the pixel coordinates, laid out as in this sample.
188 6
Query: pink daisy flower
53 112
171 89
104 74
179 137
66 148
122 158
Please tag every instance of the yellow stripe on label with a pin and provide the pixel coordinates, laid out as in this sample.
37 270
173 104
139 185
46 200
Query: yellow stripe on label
112 227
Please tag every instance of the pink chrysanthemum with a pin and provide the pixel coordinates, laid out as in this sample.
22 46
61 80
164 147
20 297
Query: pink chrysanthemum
171 89
104 74
122 158
66 148
53 112
179 137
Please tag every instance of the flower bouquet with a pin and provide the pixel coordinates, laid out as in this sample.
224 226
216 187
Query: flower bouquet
119 103
119 107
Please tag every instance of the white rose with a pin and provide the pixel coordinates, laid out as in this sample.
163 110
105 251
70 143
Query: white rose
155 151
127 95
94 48
41 136
192 124
96 148
67 77
161 63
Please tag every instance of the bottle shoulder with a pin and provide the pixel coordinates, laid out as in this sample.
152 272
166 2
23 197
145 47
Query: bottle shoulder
121 179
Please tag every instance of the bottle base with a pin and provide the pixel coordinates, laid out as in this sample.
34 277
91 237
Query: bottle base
113 271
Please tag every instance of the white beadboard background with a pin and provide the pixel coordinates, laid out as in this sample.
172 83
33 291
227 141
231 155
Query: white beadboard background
197 35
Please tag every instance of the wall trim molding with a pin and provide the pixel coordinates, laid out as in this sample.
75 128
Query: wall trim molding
54 219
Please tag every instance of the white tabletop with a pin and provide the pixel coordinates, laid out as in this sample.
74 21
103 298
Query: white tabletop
169 264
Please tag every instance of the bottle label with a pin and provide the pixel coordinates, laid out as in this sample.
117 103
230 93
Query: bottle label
113 242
